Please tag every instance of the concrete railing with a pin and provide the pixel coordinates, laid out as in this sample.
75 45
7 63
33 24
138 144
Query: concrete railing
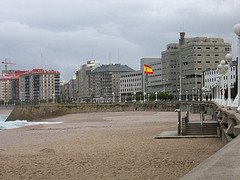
225 163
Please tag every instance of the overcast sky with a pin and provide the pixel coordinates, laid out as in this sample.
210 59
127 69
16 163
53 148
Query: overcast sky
69 32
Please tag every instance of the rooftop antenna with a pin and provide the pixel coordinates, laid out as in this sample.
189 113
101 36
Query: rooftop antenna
109 58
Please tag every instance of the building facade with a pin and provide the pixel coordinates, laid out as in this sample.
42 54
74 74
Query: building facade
151 82
170 69
197 55
39 84
106 81
212 79
183 63
9 86
130 84
83 80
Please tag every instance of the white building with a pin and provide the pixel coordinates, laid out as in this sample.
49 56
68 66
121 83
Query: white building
130 83
212 80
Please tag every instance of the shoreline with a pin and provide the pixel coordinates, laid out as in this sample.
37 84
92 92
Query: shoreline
105 145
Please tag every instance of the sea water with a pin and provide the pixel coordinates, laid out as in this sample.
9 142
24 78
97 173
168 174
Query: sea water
18 123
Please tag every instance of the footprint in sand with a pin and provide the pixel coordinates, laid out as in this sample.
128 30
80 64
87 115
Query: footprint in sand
47 151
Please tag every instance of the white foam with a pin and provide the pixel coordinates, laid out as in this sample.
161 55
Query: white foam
19 123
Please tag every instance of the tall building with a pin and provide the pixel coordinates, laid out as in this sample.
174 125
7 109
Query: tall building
73 89
9 85
39 84
83 80
106 81
183 63
170 69
198 54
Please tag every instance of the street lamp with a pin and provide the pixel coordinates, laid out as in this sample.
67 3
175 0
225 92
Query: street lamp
156 96
134 98
186 95
180 88
113 97
222 69
198 94
53 98
193 90
237 32
144 94
228 58
204 93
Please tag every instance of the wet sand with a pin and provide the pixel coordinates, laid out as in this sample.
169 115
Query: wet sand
107 145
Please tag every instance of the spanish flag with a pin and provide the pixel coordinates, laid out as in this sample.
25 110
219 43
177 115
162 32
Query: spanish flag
147 69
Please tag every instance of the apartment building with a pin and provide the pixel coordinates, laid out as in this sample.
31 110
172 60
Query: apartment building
106 81
9 85
39 84
196 55
83 80
183 63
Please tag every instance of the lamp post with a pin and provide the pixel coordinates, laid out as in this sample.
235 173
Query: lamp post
193 90
217 89
222 69
203 93
180 88
53 98
198 94
156 96
113 97
134 98
237 32
228 58
186 95
144 94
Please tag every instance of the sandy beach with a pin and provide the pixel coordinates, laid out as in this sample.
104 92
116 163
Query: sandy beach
106 145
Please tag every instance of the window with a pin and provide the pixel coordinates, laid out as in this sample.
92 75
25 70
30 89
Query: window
199 55
216 55
207 54
207 61
216 48
207 47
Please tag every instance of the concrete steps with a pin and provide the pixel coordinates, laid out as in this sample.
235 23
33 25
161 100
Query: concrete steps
206 128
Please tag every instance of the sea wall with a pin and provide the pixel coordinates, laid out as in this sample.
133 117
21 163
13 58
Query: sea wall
44 111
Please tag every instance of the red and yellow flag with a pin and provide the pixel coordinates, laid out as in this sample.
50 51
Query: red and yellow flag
147 69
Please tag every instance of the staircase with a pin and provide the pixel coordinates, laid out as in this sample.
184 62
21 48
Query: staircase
206 128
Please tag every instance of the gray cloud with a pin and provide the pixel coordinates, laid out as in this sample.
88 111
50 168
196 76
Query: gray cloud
70 32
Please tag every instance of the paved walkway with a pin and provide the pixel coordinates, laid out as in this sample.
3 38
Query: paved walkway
225 164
